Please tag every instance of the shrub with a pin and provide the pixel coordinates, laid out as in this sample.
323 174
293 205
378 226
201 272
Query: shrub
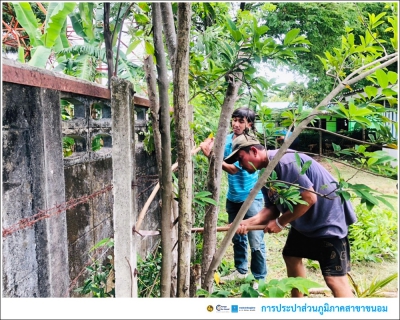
98 284
149 275
374 236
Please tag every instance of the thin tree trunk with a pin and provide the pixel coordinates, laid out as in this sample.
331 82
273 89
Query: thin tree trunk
174 239
166 180
214 180
154 108
107 42
181 77
170 40
169 31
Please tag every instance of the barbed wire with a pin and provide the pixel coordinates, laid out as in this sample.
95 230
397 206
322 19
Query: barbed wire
57 209
44 214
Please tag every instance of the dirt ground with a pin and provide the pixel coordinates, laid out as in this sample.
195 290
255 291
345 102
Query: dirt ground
378 183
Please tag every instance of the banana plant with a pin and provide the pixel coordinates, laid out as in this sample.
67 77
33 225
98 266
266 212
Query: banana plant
82 60
49 37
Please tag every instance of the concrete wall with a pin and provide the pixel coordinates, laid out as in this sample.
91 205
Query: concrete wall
86 172
35 259
42 260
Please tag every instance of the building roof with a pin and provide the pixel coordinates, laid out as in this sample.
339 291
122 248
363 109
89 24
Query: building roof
277 105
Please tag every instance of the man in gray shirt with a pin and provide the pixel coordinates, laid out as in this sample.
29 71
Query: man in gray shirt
318 229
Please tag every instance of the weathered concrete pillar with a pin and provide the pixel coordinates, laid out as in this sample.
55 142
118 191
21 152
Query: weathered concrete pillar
124 188
35 258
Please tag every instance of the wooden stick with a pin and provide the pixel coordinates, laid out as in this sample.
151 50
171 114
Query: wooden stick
226 228
199 230
153 194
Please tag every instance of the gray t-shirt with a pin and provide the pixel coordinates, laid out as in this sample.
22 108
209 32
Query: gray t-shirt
327 217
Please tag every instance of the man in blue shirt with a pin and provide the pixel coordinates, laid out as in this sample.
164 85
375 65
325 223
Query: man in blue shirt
240 183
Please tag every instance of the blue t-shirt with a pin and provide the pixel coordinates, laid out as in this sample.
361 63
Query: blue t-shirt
241 183
327 217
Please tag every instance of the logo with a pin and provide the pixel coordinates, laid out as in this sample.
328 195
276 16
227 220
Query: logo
235 308
210 308
221 308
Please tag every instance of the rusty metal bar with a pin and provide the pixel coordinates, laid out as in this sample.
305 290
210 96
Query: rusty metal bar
36 77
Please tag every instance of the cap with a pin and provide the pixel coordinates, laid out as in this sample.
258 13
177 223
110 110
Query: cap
240 142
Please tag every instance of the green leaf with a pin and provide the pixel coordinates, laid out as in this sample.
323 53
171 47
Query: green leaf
382 78
230 24
371 91
336 147
389 92
202 292
237 35
368 204
201 203
144 6
209 200
55 19
40 57
383 200
344 195
202 194
149 47
392 77
368 197
27 19
76 25
133 45
21 54
261 30
141 18
305 167
100 243
298 160
290 36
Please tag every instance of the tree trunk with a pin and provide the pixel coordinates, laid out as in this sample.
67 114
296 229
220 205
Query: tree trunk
169 31
174 253
181 77
108 43
195 275
166 180
214 179
154 108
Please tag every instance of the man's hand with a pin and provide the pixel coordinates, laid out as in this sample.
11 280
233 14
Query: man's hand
242 229
272 227
206 146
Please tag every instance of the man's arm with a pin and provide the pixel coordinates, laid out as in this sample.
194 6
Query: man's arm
298 211
230 168
265 215
207 145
